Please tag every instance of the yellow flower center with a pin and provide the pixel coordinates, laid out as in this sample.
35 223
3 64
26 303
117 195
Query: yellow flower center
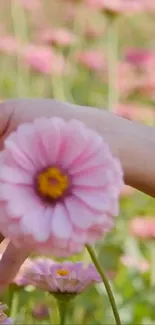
62 272
52 183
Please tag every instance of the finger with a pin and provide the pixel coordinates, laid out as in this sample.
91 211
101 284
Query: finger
10 263
16 111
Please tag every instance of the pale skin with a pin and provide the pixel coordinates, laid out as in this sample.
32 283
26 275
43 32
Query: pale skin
131 142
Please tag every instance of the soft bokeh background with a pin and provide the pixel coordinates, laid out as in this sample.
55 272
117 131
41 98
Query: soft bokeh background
96 53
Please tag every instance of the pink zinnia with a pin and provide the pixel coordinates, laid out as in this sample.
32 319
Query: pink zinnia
59 186
29 4
64 277
92 59
9 45
140 265
63 37
143 228
117 6
136 113
138 56
43 59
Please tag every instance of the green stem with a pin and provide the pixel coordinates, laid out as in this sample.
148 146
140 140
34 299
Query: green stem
152 257
112 53
106 284
14 307
20 28
62 311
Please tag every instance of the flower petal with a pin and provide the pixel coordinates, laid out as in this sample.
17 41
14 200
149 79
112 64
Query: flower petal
80 215
29 142
15 175
97 159
36 223
61 225
95 199
23 201
51 135
12 145
74 142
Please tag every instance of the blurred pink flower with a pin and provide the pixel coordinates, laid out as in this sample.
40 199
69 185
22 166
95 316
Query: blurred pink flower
136 113
40 311
4 320
127 191
59 36
139 57
59 186
92 59
43 59
140 265
93 32
64 277
127 78
9 44
143 227
29 4
116 6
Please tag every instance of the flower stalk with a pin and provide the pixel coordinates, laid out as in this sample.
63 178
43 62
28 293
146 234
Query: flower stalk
106 284
62 306
112 54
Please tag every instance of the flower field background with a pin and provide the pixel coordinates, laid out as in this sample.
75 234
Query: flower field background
100 55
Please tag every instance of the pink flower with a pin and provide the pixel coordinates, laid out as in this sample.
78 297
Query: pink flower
93 60
43 59
4 320
136 113
40 311
143 228
140 265
29 4
138 56
63 37
64 277
92 32
127 78
9 45
59 186
117 6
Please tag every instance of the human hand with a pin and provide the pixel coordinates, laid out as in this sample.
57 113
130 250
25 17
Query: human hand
131 142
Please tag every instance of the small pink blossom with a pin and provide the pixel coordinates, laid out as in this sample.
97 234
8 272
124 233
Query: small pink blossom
93 32
40 311
9 44
64 277
138 56
143 228
28 4
43 59
59 186
62 37
140 265
117 6
126 78
136 113
93 60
